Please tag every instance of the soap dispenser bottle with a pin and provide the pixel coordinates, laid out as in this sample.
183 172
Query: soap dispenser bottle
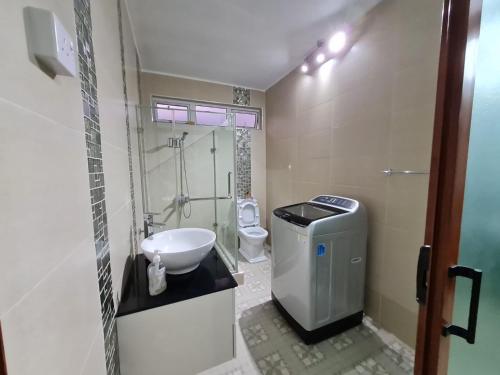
156 276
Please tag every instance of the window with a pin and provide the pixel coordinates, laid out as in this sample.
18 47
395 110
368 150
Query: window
203 113
213 116
246 119
167 113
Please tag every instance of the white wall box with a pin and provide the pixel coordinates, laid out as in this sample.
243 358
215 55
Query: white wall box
48 42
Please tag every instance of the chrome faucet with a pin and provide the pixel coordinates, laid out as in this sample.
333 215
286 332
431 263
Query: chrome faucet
149 225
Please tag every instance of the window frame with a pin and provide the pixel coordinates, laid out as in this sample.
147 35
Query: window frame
191 104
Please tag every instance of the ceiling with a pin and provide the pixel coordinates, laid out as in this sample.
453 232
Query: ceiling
239 42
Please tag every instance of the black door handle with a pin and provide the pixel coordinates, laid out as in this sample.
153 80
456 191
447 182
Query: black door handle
422 268
468 334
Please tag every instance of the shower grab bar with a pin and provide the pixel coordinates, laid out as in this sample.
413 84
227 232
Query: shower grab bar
210 198
390 172
228 196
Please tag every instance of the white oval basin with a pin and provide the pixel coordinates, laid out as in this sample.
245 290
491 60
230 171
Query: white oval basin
181 250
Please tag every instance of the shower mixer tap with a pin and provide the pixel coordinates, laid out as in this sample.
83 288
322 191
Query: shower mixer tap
182 199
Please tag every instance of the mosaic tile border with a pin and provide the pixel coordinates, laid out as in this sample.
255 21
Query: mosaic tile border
127 124
241 96
88 80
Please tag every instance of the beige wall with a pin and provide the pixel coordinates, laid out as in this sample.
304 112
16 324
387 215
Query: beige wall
169 86
113 129
334 132
49 299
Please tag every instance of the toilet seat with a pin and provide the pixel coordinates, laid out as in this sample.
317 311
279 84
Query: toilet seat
254 232
248 213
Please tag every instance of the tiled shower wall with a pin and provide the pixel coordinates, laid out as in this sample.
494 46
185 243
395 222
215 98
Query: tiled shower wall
241 96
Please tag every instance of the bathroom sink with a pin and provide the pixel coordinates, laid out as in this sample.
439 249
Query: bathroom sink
181 250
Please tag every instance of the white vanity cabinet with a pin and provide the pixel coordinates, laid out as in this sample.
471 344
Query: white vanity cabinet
183 337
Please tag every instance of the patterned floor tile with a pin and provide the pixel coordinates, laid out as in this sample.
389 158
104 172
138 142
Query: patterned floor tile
273 364
367 367
255 335
256 286
236 371
309 355
266 344
341 342
282 326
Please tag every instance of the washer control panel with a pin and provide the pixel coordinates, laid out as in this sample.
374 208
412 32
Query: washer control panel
331 200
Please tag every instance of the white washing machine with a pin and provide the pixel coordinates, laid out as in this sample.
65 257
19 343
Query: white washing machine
318 265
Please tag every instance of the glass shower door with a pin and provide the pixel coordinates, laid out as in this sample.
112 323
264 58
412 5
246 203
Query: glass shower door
480 232
194 178
158 170
205 185
225 189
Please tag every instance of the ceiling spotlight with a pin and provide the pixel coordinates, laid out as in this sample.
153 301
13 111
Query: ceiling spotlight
337 42
304 68
320 58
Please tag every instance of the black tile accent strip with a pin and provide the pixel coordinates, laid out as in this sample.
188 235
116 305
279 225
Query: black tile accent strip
127 123
88 79
241 96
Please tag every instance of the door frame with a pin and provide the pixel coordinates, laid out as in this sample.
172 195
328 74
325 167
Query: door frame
455 89
3 362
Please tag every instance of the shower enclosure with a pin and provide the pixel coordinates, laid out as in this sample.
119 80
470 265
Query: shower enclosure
188 173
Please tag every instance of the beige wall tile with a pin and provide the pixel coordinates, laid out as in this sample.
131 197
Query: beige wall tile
400 264
114 132
116 177
174 87
407 202
96 361
22 81
399 320
50 285
120 232
372 304
377 103
65 301
411 138
375 256
44 192
112 110
319 117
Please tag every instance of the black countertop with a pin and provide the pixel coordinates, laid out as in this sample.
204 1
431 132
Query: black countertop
211 276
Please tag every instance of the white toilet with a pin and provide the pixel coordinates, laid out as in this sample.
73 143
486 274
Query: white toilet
252 235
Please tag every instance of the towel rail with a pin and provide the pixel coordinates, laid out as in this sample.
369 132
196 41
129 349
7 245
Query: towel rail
390 172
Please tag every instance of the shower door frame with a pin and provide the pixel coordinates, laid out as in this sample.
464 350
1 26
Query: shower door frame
460 26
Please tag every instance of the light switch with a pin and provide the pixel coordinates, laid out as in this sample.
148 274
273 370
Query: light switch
49 42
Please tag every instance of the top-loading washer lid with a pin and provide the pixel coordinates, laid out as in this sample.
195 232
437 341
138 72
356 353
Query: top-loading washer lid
305 213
